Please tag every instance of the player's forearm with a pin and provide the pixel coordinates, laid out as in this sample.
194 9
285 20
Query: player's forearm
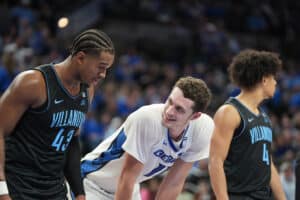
218 179
124 191
169 192
3 185
276 184
72 167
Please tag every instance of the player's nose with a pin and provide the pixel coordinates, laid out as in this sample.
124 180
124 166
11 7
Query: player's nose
170 111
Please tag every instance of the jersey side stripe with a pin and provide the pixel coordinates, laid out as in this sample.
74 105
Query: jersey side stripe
115 151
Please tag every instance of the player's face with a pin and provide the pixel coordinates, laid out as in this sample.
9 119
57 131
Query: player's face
178 110
269 86
94 67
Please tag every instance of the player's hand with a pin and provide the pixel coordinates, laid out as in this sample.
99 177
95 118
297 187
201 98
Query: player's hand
78 197
5 197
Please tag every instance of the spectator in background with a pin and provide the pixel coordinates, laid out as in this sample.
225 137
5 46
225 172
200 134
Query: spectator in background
287 178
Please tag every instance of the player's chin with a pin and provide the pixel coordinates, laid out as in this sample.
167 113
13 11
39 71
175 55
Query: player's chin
94 82
164 122
167 123
271 95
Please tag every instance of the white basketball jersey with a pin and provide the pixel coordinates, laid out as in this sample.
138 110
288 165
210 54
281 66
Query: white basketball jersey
144 137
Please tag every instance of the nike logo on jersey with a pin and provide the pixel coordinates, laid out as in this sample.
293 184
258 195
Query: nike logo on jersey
82 103
58 101
250 120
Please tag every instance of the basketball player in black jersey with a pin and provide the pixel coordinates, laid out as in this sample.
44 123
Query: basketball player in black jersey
240 163
40 114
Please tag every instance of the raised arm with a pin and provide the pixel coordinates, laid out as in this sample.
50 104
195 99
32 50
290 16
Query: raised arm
130 171
27 90
226 121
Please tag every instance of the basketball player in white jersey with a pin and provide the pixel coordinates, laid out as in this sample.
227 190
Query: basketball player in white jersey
153 139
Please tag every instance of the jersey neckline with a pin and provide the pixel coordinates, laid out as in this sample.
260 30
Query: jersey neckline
63 87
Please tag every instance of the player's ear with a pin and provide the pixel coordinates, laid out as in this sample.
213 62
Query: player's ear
264 79
80 57
196 115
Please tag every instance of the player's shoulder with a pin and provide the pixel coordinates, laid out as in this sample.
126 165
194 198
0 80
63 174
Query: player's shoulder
202 128
30 81
227 116
227 111
29 78
148 112
28 86
204 119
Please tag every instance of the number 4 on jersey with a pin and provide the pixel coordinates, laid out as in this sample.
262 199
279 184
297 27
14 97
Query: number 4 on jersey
265 154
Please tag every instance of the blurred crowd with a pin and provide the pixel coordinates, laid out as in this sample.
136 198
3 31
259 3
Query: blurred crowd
201 38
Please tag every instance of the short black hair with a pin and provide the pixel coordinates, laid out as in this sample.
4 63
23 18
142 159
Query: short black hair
92 41
249 67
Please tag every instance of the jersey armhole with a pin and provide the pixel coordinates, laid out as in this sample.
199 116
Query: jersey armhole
44 107
239 130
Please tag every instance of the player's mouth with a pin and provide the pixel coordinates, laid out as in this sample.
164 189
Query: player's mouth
96 81
169 119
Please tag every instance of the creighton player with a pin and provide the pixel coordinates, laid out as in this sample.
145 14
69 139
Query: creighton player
153 139
40 114
240 163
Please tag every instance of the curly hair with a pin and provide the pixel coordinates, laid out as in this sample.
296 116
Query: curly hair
249 67
196 90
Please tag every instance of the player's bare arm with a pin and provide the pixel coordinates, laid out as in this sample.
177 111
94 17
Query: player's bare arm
27 90
72 167
131 169
173 183
276 184
226 121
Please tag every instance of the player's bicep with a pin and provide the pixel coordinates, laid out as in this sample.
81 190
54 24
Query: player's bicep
20 95
226 121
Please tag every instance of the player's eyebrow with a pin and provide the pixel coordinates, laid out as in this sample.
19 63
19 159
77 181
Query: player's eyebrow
177 106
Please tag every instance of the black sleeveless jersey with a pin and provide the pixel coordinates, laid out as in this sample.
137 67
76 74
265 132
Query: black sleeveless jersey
248 163
35 151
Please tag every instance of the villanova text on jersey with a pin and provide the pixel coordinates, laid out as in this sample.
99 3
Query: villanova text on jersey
36 150
260 133
67 118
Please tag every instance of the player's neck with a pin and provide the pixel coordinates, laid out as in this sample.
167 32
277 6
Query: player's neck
67 76
176 133
251 100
